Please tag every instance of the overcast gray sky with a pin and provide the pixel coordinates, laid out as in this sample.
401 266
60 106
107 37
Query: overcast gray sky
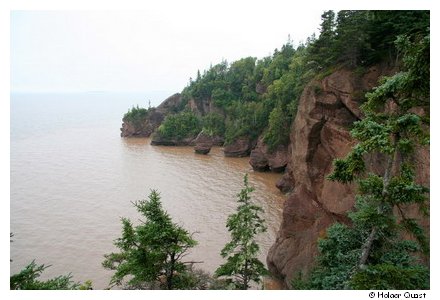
156 49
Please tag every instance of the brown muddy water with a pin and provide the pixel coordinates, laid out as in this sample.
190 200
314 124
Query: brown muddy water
73 178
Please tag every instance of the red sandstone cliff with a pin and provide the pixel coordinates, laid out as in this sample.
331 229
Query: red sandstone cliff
153 120
319 134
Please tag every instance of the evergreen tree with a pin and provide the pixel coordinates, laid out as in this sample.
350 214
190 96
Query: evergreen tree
27 279
150 253
242 265
321 50
385 25
351 39
179 126
278 129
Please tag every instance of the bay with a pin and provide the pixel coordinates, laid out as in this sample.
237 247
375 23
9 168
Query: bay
73 177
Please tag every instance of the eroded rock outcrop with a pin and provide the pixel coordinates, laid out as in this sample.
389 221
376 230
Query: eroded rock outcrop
261 159
203 143
170 104
142 128
319 134
286 183
152 120
158 140
241 147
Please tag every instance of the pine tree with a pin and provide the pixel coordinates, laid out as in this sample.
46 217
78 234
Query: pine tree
321 49
150 253
242 265
351 42
27 279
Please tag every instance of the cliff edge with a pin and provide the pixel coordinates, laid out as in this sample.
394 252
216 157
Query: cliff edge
319 134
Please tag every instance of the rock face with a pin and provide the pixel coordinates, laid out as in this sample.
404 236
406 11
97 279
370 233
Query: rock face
201 149
157 140
286 183
319 134
203 143
239 148
153 120
143 129
261 159
170 104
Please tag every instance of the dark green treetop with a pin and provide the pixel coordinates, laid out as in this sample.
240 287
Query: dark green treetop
150 253
27 279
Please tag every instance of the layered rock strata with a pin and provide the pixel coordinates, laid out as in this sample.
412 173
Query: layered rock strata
262 159
239 148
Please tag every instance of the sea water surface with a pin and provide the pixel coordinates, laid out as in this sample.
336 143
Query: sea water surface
73 177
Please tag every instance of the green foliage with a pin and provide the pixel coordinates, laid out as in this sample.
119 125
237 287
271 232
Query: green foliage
136 115
351 37
27 279
214 124
197 279
346 169
391 277
248 90
279 80
225 83
150 253
339 251
179 126
245 119
278 65
240 79
323 46
361 38
233 88
284 93
385 25
279 129
187 124
242 265
222 97
403 188
300 282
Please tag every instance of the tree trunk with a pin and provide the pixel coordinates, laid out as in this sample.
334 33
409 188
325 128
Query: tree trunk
366 247
171 272
246 276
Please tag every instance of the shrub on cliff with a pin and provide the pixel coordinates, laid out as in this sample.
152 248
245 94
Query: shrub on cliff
245 120
214 124
179 126
136 115
278 130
